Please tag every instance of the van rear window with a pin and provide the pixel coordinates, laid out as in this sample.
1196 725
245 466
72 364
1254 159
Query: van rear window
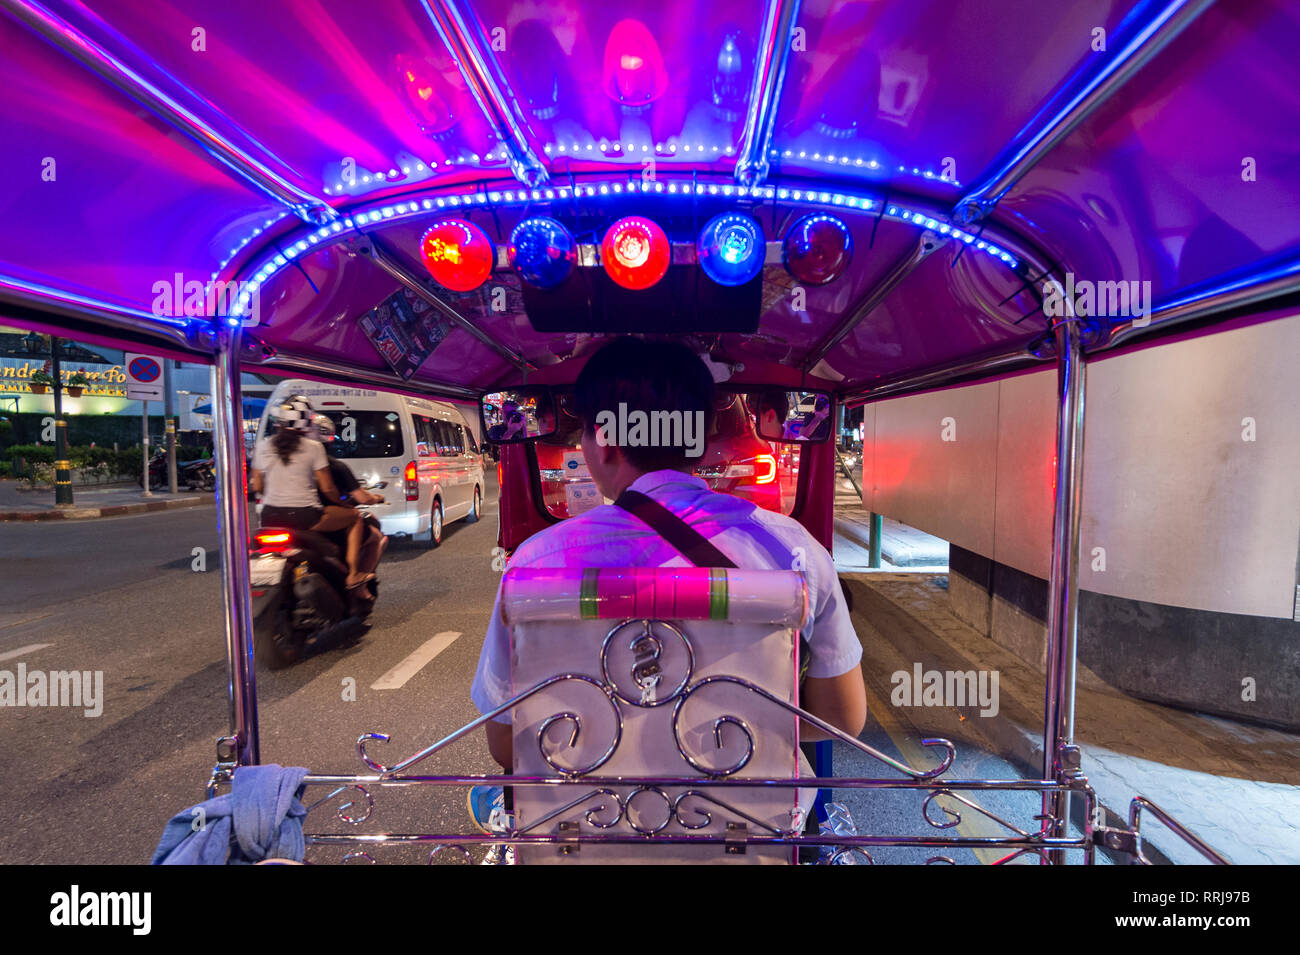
366 434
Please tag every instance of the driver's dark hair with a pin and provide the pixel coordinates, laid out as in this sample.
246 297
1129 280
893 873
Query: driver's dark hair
647 376
777 399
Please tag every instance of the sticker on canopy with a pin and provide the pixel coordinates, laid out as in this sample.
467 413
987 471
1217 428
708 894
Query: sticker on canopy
391 416
575 466
404 330
582 496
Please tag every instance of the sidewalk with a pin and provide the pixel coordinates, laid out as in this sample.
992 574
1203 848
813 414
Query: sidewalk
900 545
1233 784
18 504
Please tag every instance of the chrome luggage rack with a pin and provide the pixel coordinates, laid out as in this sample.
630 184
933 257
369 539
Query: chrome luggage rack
693 796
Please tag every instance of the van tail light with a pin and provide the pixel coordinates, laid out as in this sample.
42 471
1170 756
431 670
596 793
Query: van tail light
760 469
412 478
501 472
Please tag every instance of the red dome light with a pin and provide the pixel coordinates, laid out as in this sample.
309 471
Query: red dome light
633 69
635 252
458 254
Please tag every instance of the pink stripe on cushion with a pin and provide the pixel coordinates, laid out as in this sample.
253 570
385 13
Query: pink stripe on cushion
679 593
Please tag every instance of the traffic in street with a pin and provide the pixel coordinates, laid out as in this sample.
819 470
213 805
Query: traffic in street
138 598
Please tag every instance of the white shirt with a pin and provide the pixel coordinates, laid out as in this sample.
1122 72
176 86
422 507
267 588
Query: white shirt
292 484
752 537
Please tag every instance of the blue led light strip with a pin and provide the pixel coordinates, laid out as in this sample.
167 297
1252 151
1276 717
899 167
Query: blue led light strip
359 220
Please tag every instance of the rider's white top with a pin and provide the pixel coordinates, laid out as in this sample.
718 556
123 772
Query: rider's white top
292 484
609 536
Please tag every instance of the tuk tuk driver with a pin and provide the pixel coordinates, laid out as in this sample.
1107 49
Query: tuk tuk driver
661 376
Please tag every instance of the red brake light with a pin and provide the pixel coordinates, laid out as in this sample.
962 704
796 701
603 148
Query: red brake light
770 461
273 538
411 476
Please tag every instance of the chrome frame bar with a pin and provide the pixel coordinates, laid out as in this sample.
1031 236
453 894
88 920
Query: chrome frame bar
773 53
1059 756
59 303
1135 821
950 374
1281 279
196 336
232 526
491 91
927 243
390 262
1081 95
94 57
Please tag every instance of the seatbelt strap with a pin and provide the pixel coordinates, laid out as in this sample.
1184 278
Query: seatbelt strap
693 545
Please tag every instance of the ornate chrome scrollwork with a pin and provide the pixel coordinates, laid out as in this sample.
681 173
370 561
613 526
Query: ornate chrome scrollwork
708 818
950 752
492 714
646 670
668 806
589 815
954 817
341 811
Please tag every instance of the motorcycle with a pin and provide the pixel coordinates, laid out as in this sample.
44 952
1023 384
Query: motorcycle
197 475
301 604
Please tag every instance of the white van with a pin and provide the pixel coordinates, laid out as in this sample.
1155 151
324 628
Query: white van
420 455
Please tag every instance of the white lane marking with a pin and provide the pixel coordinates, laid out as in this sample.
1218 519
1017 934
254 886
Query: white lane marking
413 664
32 648
14 619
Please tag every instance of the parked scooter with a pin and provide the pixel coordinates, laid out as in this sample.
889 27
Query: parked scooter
301 604
197 475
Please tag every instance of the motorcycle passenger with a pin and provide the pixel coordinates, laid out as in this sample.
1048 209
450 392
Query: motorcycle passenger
653 377
351 494
288 467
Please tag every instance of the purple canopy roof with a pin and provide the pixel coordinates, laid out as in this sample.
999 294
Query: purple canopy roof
279 141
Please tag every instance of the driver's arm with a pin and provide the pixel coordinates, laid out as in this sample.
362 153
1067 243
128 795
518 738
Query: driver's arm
258 482
500 740
834 690
839 700
326 484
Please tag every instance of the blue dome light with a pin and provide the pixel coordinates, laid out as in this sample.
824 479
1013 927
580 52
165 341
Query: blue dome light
731 248
543 251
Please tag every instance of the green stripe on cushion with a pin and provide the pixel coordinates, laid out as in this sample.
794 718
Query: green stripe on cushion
717 593
588 605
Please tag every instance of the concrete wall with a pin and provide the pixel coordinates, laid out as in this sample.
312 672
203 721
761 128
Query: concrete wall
1187 512
1191 511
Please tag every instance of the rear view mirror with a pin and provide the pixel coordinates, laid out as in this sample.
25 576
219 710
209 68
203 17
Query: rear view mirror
518 414
785 416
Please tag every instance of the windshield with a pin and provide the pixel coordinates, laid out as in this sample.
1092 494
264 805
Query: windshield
735 461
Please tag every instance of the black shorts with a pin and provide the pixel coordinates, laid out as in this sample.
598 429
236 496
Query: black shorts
296 518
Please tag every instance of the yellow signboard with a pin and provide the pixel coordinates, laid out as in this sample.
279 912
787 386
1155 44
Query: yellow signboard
107 381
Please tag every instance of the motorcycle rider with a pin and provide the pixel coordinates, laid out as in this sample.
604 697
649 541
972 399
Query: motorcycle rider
351 494
288 468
